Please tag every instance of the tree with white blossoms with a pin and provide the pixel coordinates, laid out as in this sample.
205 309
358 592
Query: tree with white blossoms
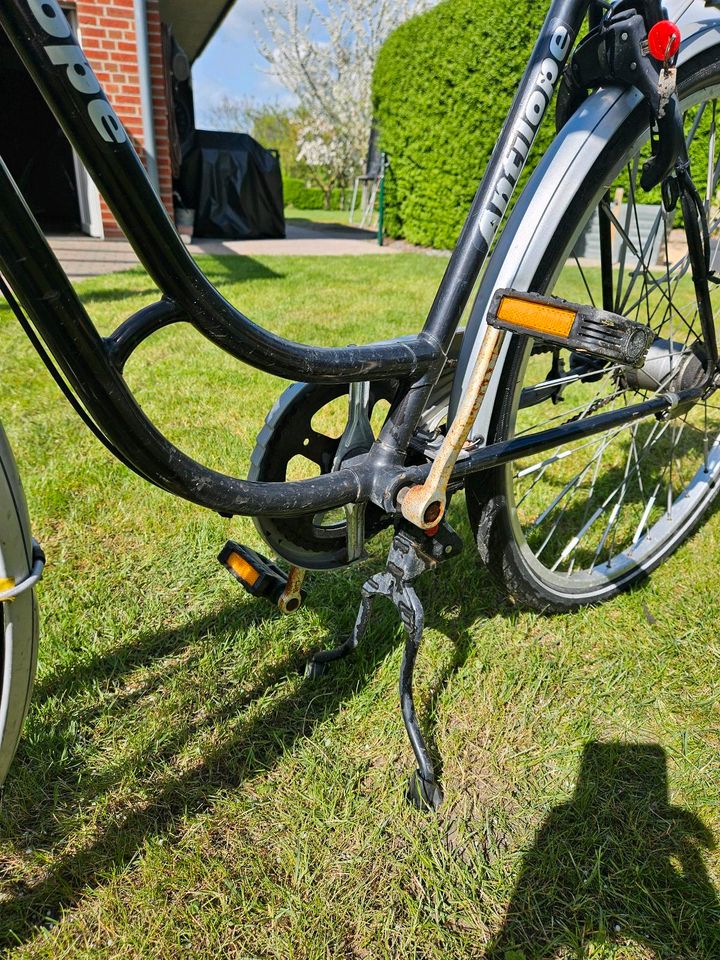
324 54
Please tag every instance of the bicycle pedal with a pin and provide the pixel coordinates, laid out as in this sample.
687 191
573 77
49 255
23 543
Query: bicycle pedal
261 577
576 326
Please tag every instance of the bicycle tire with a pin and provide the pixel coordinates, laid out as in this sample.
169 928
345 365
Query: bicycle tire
492 498
19 618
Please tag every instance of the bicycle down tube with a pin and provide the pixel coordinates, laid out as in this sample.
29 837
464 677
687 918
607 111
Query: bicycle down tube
93 366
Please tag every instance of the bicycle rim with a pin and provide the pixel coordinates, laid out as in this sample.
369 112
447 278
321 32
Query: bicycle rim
579 523
19 619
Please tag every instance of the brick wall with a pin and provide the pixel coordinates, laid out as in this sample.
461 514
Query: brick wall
107 31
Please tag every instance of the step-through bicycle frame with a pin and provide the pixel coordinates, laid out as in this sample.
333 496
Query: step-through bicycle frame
93 365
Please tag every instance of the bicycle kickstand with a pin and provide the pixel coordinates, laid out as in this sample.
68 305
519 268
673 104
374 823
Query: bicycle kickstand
412 553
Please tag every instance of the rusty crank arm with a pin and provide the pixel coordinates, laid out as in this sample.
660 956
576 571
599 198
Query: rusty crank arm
424 504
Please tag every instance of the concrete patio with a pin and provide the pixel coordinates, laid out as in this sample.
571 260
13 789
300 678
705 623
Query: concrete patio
83 256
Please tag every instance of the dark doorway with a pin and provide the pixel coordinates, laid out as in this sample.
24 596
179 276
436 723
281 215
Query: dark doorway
35 149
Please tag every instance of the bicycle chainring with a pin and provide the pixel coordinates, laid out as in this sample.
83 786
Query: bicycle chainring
315 541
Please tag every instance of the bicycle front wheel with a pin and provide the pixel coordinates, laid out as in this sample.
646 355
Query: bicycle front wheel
18 618
580 523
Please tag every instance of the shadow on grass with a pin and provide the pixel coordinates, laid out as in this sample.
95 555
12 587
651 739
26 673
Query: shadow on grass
605 859
234 268
616 863
117 294
335 228
249 726
219 270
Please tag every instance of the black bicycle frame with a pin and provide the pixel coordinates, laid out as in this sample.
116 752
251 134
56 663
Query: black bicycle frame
93 366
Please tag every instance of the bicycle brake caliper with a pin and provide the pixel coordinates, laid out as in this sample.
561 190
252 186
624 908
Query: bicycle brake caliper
621 49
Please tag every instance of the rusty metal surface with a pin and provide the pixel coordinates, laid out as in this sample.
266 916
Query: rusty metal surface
291 597
424 505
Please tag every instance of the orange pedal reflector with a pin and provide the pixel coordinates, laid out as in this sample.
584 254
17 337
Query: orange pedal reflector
531 315
259 576
575 326
242 569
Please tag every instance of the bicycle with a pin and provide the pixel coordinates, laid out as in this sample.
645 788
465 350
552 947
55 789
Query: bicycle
612 391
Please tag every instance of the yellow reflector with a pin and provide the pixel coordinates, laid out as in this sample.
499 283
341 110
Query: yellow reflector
536 316
243 569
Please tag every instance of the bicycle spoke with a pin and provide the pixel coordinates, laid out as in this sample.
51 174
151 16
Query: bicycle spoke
590 509
584 280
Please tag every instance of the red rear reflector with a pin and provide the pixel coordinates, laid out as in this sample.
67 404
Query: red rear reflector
664 40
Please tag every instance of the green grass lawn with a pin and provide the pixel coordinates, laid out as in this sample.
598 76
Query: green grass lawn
181 791
321 216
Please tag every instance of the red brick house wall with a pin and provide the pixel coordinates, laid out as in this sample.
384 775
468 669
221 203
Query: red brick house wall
108 37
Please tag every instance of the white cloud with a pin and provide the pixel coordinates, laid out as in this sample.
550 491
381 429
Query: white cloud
211 91
243 20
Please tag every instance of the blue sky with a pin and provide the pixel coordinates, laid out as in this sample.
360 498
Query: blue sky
231 64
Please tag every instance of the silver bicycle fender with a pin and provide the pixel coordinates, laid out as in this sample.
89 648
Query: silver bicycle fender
549 192
18 617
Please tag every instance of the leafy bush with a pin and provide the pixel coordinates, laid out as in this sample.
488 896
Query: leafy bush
442 87
302 197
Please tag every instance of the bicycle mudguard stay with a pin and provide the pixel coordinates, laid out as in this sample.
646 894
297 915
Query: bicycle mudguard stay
93 367
517 258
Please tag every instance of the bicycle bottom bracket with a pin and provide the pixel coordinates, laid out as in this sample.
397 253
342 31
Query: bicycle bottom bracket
579 327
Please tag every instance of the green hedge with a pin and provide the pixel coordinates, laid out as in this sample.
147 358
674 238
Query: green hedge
442 87
298 195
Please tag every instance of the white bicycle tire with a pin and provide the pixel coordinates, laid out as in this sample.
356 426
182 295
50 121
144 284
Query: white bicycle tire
19 617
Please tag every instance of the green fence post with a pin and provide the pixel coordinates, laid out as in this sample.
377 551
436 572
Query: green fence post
381 210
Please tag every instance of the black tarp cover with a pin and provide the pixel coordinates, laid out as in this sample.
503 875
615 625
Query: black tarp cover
235 187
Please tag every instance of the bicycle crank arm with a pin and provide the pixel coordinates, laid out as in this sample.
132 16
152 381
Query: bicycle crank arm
424 506
577 327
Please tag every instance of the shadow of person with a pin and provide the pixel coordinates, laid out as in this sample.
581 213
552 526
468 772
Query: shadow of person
615 863
257 712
